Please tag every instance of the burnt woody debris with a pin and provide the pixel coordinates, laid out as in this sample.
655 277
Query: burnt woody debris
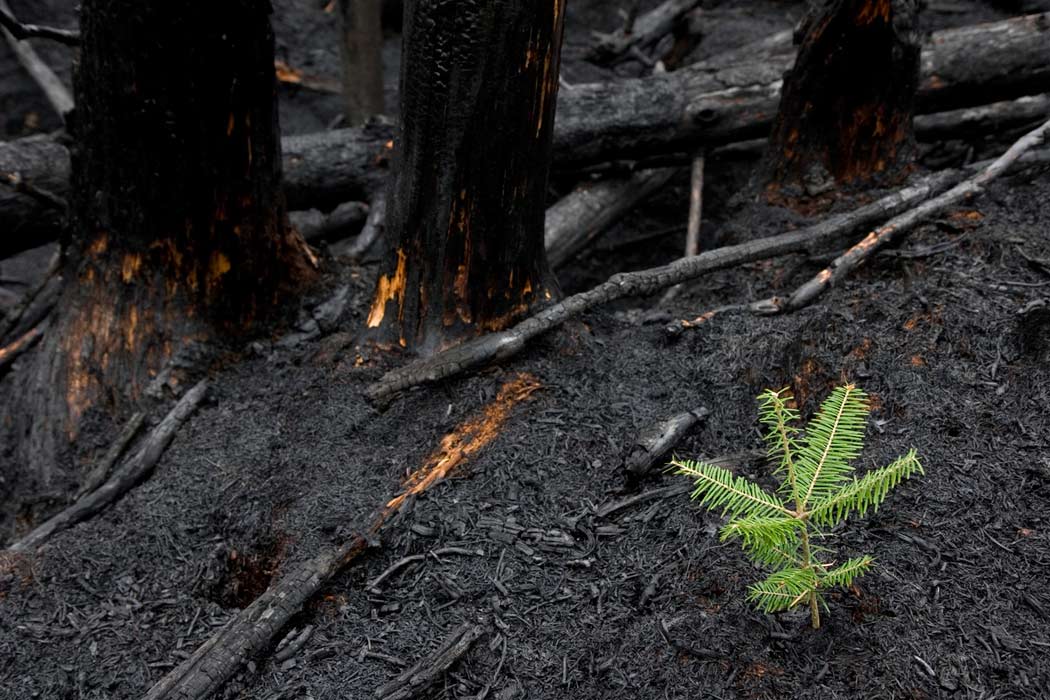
707 103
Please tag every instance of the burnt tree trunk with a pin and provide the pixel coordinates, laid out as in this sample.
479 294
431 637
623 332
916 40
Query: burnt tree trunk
479 81
362 51
847 104
179 231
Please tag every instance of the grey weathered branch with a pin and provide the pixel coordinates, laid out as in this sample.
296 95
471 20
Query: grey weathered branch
585 213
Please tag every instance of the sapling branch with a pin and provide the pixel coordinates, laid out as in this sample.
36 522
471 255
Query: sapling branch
815 469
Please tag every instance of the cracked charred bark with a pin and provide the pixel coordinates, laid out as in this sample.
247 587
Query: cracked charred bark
479 82
846 106
179 232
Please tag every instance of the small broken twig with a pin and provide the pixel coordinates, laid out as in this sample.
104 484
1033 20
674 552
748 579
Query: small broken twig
98 474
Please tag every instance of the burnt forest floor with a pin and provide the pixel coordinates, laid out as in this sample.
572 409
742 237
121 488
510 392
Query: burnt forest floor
287 458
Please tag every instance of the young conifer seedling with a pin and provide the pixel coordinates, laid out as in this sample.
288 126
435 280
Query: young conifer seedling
817 490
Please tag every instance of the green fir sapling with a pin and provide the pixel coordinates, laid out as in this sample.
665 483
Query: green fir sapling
818 490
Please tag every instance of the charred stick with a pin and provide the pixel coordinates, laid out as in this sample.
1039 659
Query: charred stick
429 669
504 344
584 214
133 471
252 630
899 226
21 31
655 442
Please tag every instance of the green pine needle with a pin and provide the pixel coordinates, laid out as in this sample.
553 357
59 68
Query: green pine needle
818 489
844 575
717 488
783 589
865 493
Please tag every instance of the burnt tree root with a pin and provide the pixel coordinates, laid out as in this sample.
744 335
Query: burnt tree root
133 471
504 344
725 100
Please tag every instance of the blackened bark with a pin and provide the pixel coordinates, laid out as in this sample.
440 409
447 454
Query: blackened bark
179 231
847 104
362 49
479 82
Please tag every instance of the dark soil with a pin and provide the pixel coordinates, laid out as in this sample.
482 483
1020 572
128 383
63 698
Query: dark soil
287 459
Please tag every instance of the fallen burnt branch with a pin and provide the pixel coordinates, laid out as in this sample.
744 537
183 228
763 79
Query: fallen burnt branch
899 226
428 670
585 213
133 471
655 442
22 31
642 33
371 232
253 629
35 305
504 344
709 103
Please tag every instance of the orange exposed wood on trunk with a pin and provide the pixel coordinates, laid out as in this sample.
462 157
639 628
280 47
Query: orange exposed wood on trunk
388 288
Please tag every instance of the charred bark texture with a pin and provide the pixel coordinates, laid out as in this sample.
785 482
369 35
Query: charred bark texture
362 51
478 87
179 232
847 104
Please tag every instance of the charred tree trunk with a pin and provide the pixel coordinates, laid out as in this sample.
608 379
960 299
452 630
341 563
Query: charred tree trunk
362 50
479 82
179 230
847 104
